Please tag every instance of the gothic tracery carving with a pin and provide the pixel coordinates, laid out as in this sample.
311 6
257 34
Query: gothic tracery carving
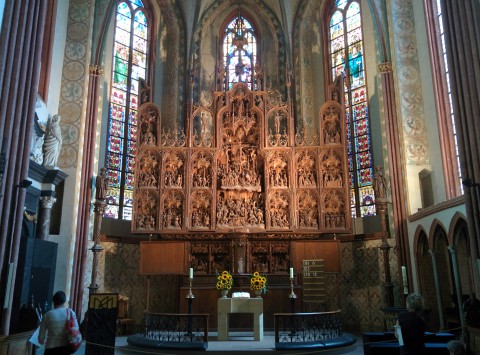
240 169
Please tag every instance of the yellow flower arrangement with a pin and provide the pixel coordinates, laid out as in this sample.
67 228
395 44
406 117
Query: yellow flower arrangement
258 282
224 281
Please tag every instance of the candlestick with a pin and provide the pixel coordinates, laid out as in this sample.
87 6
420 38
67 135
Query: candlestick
190 293
292 294
190 275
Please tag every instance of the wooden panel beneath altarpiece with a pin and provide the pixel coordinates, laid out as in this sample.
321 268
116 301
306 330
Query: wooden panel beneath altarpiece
163 258
327 250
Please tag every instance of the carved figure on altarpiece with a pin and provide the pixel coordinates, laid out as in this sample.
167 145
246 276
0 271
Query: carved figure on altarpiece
243 209
278 170
220 258
307 169
334 209
202 170
331 124
277 128
308 209
240 129
279 209
238 168
149 120
148 169
146 210
173 202
280 257
201 209
331 168
203 128
199 254
173 167
260 256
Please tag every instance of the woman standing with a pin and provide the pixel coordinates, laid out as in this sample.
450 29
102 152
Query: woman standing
53 326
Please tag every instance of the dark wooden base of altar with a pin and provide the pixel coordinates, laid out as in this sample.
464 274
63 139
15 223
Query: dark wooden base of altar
276 300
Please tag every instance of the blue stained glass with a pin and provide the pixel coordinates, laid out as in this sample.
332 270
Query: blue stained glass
124 9
364 177
340 3
353 9
136 3
140 18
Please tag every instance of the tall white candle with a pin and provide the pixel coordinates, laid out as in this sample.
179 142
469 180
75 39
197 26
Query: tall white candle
190 275
291 272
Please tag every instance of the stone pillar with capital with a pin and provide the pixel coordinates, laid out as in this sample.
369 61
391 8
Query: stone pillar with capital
381 201
101 187
43 225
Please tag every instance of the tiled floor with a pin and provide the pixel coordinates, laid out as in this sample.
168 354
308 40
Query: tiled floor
239 343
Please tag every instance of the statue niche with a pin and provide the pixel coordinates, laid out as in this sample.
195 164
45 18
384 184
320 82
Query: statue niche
331 127
149 121
174 174
149 166
173 209
306 169
146 210
202 173
308 209
201 209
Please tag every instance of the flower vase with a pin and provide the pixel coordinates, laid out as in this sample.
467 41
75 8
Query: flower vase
224 293
258 293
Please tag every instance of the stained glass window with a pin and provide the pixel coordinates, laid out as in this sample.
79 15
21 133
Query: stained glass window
347 58
129 64
239 51
442 56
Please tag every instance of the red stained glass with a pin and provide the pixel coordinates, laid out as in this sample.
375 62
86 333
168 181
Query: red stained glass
115 144
364 160
364 177
129 181
114 161
118 96
115 128
361 127
114 178
132 118
359 95
362 143
133 101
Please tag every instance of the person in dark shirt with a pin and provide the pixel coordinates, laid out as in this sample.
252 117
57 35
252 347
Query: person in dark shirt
413 326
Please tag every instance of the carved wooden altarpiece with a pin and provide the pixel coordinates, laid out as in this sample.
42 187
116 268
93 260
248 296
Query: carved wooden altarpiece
241 184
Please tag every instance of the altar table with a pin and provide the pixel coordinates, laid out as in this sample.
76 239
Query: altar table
240 305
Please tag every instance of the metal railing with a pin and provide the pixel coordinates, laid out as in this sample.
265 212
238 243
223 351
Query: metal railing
176 327
307 327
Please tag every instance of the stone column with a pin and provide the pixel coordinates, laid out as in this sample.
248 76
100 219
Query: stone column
437 289
395 161
43 225
458 288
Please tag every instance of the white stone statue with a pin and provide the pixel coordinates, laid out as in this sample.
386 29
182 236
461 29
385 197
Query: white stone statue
52 142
